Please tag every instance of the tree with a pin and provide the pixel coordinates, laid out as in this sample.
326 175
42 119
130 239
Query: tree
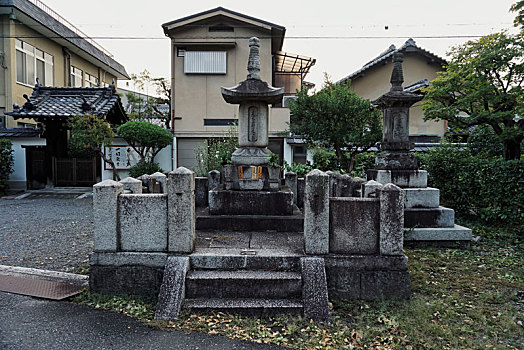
336 117
149 107
483 85
7 162
518 7
145 138
89 133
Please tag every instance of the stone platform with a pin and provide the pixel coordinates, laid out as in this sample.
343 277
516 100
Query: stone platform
231 202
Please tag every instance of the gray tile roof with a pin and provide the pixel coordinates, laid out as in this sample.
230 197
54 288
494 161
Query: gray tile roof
415 87
62 102
409 46
19 132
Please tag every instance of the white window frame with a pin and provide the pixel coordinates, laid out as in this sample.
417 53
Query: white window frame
205 62
91 80
31 55
77 74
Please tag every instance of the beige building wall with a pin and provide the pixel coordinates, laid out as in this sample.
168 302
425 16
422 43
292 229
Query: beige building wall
12 91
375 82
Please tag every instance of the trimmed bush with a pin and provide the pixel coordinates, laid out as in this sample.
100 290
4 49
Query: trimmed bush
489 188
146 168
6 163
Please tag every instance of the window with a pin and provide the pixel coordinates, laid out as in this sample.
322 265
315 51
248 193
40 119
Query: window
220 122
77 76
205 62
91 80
32 63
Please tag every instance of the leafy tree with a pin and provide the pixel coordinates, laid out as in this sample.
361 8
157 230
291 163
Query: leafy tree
89 133
483 85
518 7
335 117
215 152
6 163
148 108
145 138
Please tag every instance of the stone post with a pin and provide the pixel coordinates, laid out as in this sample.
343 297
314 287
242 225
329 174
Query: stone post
105 213
291 182
161 179
391 219
147 182
181 210
213 179
369 189
316 213
132 184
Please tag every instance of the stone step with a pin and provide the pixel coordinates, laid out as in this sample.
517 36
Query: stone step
429 217
244 284
452 237
422 197
231 259
279 223
248 307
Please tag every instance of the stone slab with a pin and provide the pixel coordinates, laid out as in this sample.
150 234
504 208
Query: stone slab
456 233
201 192
401 178
391 236
128 258
428 197
143 222
248 307
354 225
268 240
385 284
172 291
366 262
129 279
279 223
105 215
207 260
342 283
316 212
231 202
230 239
314 289
429 217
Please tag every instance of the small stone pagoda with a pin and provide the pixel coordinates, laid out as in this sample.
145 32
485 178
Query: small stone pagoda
251 185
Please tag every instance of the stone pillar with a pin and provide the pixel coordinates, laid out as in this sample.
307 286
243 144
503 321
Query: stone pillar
213 179
132 184
160 179
105 214
369 189
147 182
391 219
356 186
291 182
181 210
316 213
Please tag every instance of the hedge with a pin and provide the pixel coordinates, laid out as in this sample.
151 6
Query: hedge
6 163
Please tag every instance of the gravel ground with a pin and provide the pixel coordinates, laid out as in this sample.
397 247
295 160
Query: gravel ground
46 233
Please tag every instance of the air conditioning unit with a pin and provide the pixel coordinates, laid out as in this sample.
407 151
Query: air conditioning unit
286 99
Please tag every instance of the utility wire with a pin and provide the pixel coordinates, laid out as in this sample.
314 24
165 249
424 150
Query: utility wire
240 37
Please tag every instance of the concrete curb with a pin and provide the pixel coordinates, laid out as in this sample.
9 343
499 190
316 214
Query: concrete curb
48 275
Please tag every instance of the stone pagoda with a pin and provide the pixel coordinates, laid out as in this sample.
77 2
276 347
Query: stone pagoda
251 185
425 221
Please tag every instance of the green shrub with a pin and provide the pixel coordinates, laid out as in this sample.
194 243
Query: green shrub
6 163
216 152
300 169
489 188
325 160
483 142
142 168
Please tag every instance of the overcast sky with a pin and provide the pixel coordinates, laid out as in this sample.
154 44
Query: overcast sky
325 30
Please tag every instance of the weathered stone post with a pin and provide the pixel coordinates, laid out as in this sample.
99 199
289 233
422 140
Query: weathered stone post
132 184
316 213
291 182
369 189
213 179
105 213
391 219
160 179
181 210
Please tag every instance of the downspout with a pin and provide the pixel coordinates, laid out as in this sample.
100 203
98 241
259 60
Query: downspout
67 66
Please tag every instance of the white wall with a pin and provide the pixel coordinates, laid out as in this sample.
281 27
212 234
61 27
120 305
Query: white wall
18 179
165 158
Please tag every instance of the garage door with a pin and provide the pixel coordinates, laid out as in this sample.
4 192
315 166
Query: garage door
186 156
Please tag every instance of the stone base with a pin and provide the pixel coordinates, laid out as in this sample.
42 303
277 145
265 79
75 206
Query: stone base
251 177
396 160
401 178
250 155
230 202
422 197
368 277
429 217
439 236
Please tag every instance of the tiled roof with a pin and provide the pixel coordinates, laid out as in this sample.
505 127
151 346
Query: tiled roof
409 46
417 86
19 132
62 102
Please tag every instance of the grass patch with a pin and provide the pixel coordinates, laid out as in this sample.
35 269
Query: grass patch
462 299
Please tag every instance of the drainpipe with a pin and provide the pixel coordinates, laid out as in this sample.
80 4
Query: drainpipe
67 66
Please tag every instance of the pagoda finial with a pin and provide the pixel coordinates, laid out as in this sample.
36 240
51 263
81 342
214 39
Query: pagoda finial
253 64
397 76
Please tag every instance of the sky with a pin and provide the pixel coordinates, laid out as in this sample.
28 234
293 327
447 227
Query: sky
341 35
